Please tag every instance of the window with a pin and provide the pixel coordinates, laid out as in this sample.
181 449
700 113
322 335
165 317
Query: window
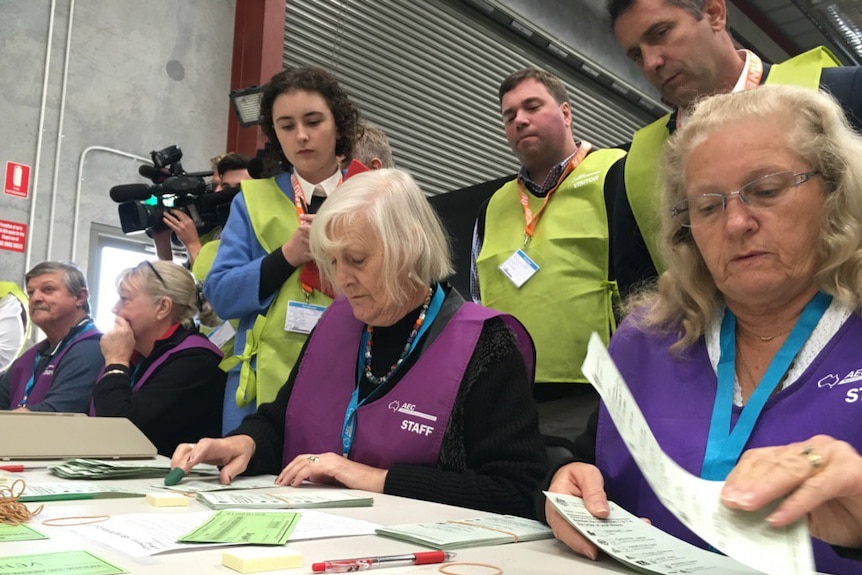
110 253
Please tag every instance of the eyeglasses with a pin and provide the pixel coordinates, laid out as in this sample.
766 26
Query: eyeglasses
154 270
764 192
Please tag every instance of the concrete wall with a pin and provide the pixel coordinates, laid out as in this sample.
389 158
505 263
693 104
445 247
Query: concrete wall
142 75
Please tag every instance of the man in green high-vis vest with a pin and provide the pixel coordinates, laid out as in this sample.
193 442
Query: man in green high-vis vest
541 246
683 48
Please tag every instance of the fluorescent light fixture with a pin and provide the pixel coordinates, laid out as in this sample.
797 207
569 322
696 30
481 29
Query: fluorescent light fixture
246 104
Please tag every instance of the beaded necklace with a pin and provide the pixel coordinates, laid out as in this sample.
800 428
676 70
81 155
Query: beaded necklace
404 353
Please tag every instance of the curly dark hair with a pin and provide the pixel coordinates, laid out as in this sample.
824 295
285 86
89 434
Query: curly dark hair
346 114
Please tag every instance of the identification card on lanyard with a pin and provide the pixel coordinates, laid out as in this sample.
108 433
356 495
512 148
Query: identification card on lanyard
221 334
724 446
519 268
302 317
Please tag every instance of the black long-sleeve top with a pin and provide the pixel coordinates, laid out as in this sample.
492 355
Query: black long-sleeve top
180 402
492 456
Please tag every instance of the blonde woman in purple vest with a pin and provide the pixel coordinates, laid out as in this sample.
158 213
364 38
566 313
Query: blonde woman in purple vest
403 387
753 338
160 373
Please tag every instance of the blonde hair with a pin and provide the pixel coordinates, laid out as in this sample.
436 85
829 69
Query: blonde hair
415 248
171 281
687 296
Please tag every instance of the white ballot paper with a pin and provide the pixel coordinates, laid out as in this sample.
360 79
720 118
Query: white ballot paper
145 534
745 536
637 544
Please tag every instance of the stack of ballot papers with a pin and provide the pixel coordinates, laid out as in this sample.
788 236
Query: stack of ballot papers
287 500
100 469
71 490
480 532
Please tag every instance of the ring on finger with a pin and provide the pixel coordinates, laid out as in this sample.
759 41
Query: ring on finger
312 458
814 459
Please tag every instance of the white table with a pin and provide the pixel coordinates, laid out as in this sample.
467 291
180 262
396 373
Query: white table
548 557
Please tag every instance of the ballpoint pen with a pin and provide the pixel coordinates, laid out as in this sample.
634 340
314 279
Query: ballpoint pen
363 563
18 468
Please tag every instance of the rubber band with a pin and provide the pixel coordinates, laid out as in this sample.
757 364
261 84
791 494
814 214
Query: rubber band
12 511
504 532
445 569
75 520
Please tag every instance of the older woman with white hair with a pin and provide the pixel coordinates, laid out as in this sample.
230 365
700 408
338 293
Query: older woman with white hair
160 373
403 387
754 338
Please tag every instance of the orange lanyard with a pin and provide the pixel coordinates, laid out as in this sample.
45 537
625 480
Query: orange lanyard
755 71
309 277
299 195
533 220
752 79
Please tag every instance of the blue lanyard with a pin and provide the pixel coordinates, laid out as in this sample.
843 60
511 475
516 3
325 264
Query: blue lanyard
134 376
724 446
89 326
349 428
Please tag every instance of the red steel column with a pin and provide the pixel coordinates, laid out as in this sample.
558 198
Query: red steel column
258 46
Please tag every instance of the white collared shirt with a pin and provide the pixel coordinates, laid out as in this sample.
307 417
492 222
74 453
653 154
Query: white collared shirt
322 189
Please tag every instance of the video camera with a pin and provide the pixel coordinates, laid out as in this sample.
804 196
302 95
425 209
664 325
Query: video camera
142 206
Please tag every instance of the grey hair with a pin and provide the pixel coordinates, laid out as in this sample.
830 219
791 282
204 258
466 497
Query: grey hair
373 144
415 247
820 134
176 283
73 277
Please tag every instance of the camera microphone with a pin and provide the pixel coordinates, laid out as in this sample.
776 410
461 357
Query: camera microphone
130 192
152 173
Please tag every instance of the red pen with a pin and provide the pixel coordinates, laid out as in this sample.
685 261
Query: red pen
363 563
12 468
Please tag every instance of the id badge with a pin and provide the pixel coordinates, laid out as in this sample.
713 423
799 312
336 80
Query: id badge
519 268
302 317
221 334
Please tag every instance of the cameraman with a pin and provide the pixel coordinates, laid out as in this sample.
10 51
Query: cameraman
231 169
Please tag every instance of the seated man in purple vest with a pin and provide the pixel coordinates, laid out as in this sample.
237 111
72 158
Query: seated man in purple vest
58 373
754 336
403 387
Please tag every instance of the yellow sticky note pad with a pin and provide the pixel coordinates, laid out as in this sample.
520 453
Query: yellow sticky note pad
3 479
167 500
256 559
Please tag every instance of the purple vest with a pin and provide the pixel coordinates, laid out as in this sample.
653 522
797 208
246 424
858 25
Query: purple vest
22 369
405 425
192 341
676 395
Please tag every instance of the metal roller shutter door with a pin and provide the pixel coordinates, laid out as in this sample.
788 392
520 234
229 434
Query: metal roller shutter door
428 72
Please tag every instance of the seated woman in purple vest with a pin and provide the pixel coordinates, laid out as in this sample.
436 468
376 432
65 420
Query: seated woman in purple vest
755 327
160 373
403 387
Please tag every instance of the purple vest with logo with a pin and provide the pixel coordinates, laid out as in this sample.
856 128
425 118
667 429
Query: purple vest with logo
22 369
405 425
190 342
677 393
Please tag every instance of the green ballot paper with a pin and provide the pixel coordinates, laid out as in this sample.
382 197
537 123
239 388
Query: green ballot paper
248 527
19 533
77 562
